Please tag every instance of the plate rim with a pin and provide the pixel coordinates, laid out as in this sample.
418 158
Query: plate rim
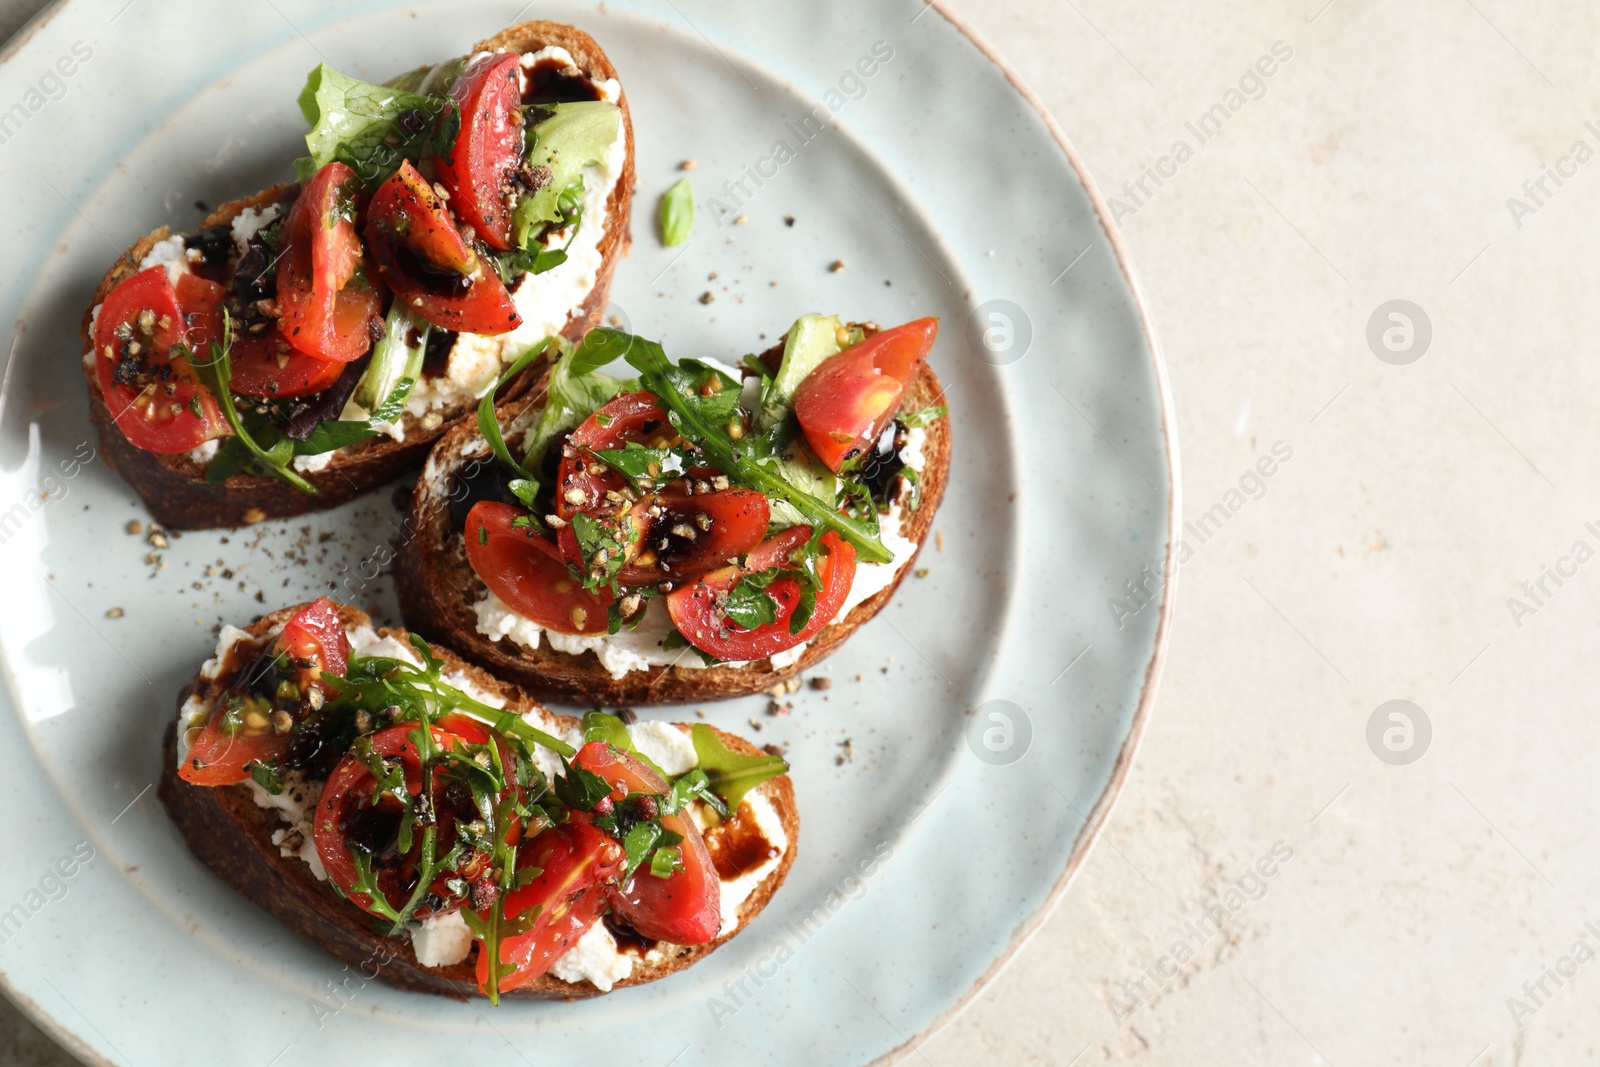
1088 833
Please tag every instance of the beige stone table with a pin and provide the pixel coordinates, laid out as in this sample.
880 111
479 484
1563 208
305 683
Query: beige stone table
1278 884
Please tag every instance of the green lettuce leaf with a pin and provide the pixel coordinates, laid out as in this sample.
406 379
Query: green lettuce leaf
371 128
563 141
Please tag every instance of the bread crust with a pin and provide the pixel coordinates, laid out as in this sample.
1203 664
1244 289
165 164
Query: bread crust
437 588
230 834
174 489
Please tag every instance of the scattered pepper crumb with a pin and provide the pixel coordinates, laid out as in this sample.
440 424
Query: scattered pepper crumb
711 277
788 220
775 750
688 164
821 684
114 613
699 713
755 723
707 296
921 572
846 753
861 677
133 527
836 266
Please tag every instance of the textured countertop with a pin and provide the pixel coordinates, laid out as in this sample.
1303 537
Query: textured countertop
1361 271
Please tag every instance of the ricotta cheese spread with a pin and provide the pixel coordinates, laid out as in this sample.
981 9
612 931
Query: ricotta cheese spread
445 940
639 648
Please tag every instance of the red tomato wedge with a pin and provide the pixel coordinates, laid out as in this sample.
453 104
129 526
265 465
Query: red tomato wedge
684 908
423 258
487 149
314 641
325 304
346 812
844 405
629 417
695 612
154 398
575 862
529 574
264 364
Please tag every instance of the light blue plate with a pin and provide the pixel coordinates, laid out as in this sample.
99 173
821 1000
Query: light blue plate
947 795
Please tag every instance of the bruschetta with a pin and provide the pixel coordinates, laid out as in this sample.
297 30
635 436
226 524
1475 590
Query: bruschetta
309 343
695 532
422 819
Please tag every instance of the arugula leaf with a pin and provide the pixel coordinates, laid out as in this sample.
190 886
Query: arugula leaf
695 416
489 426
217 375
268 776
371 128
676 213
748 602
562 139
580 788
640 464
689 787
602 552
729 774
925 416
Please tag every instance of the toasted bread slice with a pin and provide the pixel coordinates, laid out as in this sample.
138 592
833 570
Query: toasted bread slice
438 588
232 835
174 488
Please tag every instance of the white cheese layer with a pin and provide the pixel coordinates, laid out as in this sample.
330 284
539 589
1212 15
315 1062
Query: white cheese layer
445 940
639 648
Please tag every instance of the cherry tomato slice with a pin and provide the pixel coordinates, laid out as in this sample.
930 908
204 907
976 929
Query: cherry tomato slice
154 398
265 364
685 536
683 908
346 812
676 536
325 305
314 641
844 405
575 861
422 257
695 613
487 149
528 573
629 417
